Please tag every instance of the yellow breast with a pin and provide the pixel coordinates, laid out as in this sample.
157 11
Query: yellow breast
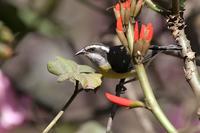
111 74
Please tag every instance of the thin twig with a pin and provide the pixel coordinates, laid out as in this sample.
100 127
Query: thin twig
76 92
119 89
61 112
130 80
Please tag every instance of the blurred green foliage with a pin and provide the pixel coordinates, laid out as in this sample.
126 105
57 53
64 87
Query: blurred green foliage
24 19
41 24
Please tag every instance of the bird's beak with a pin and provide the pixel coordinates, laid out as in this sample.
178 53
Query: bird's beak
82 51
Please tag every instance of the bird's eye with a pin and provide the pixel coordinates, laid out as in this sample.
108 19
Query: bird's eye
92 50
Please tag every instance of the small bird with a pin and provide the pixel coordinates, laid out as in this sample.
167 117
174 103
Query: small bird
115 61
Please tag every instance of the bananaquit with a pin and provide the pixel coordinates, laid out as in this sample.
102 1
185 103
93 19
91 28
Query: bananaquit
115 61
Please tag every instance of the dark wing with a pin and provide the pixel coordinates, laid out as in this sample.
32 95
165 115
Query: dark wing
119 59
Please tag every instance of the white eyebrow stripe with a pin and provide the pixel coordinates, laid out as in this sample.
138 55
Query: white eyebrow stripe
98 46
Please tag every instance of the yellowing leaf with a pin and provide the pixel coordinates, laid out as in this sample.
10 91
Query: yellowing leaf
85 69
61 66
89 81
66 76
70 70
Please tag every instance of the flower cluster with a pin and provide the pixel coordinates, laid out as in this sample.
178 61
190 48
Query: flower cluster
124 11
142 38
137 41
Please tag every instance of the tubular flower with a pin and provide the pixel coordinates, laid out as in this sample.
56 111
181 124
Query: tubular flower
125 12
142 38
125 5
119 24
122 11
138 7
123 101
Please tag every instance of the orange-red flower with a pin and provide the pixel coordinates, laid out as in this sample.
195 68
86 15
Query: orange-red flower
142 38
124 11
117 7
146 32
125 5
119 100
124 101
119 24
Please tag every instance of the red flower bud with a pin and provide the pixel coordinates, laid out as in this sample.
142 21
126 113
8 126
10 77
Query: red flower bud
150 32
142 38
117 7
119 100
119 24
136 32
127 4
124 101
142 32
146 32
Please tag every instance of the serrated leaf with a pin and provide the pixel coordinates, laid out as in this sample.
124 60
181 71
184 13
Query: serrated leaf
70 70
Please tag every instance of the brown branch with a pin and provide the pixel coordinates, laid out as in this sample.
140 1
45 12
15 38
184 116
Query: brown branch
175 7
176 24
76 92
191 71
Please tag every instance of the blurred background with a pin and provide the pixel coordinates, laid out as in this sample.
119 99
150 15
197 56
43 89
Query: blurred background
33 32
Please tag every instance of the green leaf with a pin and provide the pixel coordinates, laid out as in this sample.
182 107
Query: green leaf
85 69
6 36
70 70
89 81
29 17
34 20
66 76
61 66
